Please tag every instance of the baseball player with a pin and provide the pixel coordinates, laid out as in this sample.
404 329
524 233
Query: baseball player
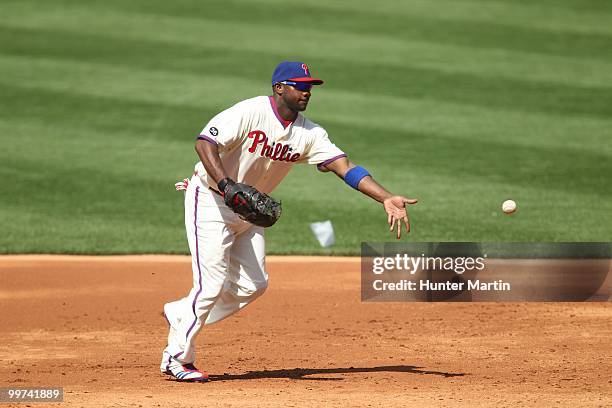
245 152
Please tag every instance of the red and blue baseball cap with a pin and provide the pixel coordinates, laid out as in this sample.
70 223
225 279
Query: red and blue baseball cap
293 71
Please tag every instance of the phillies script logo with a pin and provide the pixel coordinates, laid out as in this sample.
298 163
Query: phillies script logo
275 151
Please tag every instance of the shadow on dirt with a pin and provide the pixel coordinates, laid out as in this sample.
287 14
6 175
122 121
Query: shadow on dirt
308 373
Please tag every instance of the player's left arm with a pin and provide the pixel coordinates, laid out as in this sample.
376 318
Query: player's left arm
360 179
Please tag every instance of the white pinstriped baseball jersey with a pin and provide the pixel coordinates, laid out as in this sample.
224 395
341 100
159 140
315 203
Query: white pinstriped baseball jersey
258 147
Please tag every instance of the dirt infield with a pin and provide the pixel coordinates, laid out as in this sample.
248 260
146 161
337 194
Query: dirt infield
92 325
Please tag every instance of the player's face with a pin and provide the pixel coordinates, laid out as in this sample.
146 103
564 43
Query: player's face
296 97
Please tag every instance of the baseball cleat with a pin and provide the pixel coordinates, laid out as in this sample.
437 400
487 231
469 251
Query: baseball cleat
187 373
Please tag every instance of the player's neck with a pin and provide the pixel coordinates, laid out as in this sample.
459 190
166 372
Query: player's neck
284 111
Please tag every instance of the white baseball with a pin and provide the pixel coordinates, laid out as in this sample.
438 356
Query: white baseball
509 206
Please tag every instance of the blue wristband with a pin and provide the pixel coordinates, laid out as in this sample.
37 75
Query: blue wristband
354 176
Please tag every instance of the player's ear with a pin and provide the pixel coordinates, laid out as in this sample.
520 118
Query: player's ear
277 88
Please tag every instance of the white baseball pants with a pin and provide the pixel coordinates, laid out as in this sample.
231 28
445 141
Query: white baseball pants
228 264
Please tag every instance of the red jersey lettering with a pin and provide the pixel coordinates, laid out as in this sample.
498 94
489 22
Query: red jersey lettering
278 151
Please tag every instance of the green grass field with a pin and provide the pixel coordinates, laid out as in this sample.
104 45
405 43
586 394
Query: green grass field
461 104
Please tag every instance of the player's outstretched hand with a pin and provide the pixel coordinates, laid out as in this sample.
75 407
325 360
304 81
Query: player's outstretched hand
395 207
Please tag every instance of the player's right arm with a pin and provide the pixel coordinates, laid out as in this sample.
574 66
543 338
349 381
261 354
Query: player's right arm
209 156
221 132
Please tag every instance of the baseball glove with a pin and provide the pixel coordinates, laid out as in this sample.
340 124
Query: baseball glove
251 204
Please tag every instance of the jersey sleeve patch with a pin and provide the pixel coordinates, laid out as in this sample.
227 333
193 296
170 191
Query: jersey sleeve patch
225 128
